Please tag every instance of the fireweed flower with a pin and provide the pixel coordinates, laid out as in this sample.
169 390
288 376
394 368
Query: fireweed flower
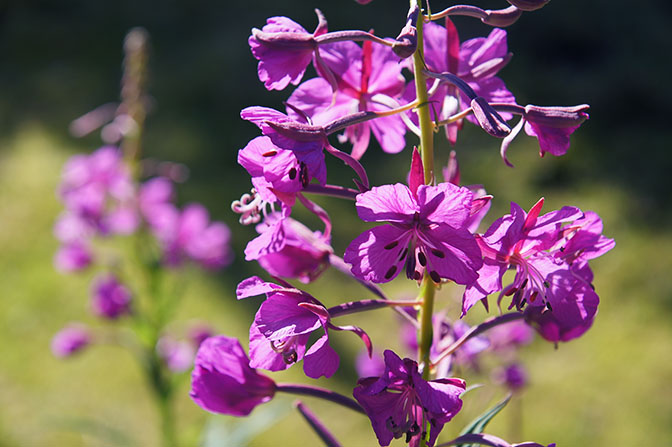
476 62
287 248
98 189
365 77
190 233
73 257
569 317
284 49
70 340
178 355
552 126
562 302
223 381
155 201
276 173
282 327
426 229
514 377
306 141
400 402
109 297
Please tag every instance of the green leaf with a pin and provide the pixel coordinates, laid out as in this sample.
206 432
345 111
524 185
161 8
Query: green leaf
478 424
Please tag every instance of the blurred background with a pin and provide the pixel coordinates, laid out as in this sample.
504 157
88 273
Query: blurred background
58 60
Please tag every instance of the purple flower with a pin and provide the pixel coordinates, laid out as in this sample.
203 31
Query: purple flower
287 248
427 230
155 201
98 189
223 382
569 317
276 173
73 257
284 49
190 233
306 141
507 337
513 377
552 126
367 77
520 240
551 263
109 297
177 355
282 327
70 340
476 61
400 402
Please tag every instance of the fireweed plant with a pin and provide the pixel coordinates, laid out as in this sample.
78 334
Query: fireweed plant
135 238
427 229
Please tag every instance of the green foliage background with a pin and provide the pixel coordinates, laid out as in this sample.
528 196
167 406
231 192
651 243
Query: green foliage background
61 59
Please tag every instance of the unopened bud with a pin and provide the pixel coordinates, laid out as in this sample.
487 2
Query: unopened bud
285 40
488 118
407 40
557 117
528 5
502 17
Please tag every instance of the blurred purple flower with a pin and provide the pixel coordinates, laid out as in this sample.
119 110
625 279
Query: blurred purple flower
513 377
223 382
73 257
109 297
178 355
70 340
191 234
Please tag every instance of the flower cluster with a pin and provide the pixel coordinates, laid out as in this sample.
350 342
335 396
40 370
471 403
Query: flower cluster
428 230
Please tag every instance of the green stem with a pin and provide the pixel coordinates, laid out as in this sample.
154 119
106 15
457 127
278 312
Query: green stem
427 289
426 331
424 118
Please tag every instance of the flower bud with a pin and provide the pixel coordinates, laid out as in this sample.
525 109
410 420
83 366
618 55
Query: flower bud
407 41
528 5
502 17
110 298
70 340
557 117
488 118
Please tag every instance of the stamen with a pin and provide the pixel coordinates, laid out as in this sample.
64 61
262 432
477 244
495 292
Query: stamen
422 259
250 207
269 154
403 253
292 173
435 276
391 272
